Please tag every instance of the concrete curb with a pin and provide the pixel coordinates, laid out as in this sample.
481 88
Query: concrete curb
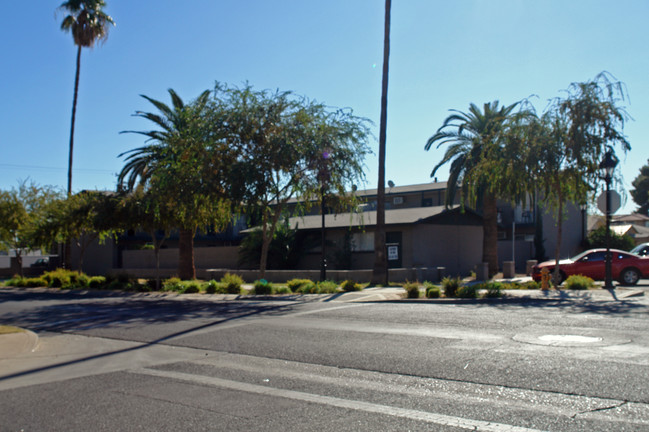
15 344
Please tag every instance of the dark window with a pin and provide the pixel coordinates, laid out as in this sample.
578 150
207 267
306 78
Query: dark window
595 256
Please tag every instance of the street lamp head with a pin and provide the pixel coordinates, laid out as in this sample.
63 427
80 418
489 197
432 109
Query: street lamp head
608 164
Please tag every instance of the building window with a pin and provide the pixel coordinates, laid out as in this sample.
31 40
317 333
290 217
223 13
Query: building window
362 242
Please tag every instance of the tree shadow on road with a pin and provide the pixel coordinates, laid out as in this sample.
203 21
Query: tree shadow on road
573 304
132 312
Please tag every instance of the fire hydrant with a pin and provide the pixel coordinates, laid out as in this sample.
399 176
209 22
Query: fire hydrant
545 278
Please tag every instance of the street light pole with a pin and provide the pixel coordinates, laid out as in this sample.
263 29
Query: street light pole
607 167
324 177
323 260
608 283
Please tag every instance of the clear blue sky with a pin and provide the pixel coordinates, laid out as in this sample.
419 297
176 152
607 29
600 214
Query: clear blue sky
444 55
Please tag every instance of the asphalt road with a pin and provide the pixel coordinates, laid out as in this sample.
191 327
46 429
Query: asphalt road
133 362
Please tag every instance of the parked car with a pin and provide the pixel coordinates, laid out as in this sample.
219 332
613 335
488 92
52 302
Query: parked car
626 267
641 249
41 263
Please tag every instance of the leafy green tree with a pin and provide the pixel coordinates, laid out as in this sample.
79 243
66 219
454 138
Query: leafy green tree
88 24
478 168
82 218
284 251
21 210
147 211
640 191
569 142
184 162
597 239
288 147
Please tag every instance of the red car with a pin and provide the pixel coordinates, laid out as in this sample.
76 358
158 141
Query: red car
626 267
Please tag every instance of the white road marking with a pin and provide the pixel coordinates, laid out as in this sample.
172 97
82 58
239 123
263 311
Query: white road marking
440 419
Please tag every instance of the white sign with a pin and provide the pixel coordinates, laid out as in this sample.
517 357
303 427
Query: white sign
615 199
393 253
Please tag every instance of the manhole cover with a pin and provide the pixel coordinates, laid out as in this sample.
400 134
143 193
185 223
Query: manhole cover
569 339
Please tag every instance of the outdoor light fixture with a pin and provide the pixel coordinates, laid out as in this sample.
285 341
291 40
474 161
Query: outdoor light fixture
607 167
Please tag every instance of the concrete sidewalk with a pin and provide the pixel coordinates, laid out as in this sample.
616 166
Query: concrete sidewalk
17 343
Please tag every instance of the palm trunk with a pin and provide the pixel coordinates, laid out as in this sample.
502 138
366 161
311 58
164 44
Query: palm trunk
490 233
380 271
74 114
67 249
19 262
186 269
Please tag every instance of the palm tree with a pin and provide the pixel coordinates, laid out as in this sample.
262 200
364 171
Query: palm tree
165 147
380 271
472 137
88 24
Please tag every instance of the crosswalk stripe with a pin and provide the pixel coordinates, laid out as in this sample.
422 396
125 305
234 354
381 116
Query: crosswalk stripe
440 419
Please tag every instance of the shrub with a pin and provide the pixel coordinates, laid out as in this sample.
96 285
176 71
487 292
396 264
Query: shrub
152 284
172 284
15 281
579 282
123 278
296 284
96 282
328 287
81 280
232 283
34 282
263 287
451 285
530 285
308 288
468 291
214 287
283 290
143 287
190 287
350 285
62 278
412 289
520 286
432 291
494 289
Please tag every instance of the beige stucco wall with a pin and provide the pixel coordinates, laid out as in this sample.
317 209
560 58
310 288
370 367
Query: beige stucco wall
456 247
204 257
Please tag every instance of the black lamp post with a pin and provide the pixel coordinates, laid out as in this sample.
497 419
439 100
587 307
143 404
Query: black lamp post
607 167
323 175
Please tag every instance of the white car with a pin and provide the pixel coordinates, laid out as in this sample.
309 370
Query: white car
641 249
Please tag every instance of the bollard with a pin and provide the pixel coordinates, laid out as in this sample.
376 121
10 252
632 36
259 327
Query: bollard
509 270
529 265
482 271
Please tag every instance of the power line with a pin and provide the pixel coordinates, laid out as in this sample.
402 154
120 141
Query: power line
36 167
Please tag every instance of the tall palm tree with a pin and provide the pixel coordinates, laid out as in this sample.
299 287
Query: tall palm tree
472 137
88 24
176 133
380 271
